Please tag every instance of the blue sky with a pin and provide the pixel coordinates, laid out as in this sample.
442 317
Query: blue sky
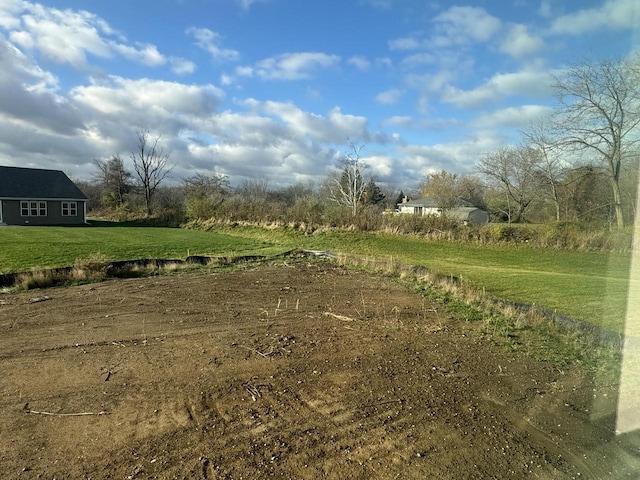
276 89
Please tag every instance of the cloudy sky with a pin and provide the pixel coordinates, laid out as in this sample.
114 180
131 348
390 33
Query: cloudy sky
276 89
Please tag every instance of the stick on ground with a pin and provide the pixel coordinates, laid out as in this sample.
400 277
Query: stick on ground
26 409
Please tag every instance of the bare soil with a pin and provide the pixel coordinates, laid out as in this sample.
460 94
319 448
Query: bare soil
296 369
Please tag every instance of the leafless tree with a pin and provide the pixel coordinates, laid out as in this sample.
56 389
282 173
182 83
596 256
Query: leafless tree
514 172
114 179
203 194
348 186
599 112
553 167
151 164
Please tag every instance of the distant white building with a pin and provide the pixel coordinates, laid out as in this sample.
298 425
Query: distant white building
465 212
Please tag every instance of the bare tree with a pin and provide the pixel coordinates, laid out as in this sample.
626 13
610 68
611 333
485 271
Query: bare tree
204 194
151 164
514 172
347 188
553 167
599 112
114 179
201 185
472 189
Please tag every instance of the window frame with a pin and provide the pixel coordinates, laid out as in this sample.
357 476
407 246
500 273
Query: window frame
71 208
34 208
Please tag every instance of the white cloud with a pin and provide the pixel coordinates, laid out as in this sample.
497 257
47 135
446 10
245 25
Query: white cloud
69 36
334 128
9 11
381 4
512 117
383 62
464 25
418 59
389 97
279 141
250 129
406 43
401 121
545 9
181 66
359 62
613 15
147 101
519 42
532 83
313 93
430 85
64 37
284 164
430 82
380 166
209 41
294 66
244 71
246 4
74 119
453 157
28 95
144 54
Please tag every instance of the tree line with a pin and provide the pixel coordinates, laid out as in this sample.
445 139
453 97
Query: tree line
578 165
581 164
118 193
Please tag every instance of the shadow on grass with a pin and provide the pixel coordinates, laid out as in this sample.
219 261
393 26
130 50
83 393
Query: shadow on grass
151 222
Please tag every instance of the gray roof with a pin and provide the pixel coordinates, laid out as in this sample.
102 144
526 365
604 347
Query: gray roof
18 182
421 202
432 203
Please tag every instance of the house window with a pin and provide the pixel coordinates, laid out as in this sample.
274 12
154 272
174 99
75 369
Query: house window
69 209
33 208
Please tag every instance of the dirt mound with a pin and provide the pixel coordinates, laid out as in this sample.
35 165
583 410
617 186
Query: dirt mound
299 370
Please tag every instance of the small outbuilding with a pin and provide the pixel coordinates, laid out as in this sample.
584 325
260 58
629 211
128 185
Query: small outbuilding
469 215
33 196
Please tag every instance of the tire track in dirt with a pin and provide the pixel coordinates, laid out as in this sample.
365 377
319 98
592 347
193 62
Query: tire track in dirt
392 388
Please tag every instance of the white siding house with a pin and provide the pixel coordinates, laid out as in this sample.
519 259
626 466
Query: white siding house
465 212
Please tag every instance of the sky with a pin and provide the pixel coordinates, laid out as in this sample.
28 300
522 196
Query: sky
279 89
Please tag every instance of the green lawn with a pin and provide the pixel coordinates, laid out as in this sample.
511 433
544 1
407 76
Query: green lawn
590 286
24 248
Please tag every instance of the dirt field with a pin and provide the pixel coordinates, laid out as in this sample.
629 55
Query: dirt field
300 369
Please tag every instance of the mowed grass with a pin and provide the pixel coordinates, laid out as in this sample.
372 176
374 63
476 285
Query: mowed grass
585 285
589 286
25 248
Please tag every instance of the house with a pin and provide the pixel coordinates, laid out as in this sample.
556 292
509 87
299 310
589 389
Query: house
32 196
422 206
465 212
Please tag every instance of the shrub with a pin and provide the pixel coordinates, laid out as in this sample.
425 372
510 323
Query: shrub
92 267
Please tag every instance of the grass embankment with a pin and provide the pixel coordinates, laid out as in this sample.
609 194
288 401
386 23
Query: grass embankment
589 286
585 285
